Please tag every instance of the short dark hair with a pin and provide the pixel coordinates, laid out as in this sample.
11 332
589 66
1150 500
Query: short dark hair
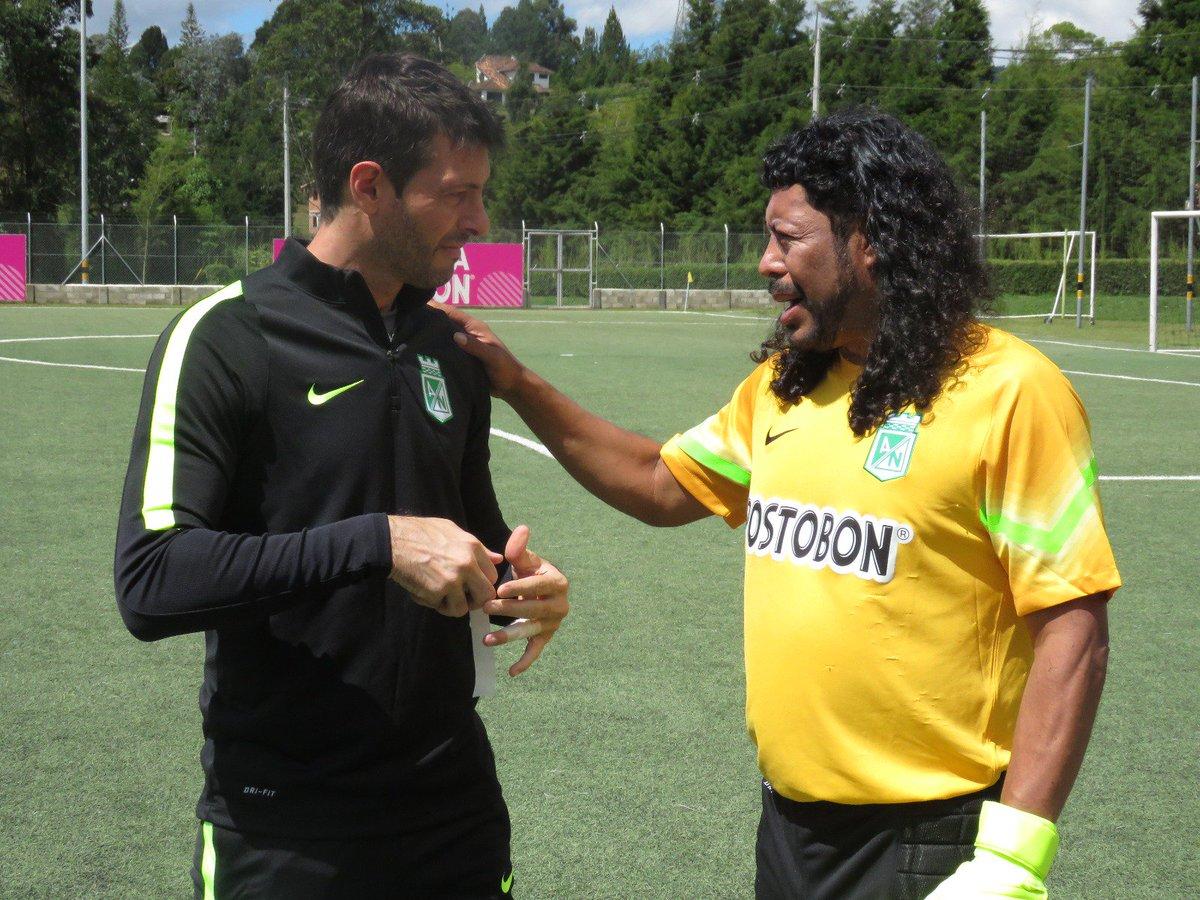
389 109
870 173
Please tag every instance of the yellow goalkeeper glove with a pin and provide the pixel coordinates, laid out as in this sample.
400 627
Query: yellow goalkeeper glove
1013 854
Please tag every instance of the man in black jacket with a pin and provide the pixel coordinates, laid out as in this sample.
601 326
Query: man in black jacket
309 486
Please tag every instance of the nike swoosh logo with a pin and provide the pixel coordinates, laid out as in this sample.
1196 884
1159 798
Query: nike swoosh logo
775 437
506 883
317 399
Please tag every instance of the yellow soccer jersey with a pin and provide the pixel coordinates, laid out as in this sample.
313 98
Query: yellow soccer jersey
885 575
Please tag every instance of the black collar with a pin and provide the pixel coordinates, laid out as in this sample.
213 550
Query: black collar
341 287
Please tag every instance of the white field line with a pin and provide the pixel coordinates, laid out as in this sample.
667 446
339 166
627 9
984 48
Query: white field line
1132 378
1085 346
541 449
1150 477
523 441
73 337
638 322
58 365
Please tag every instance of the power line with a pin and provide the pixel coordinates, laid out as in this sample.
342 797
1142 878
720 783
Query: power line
570 136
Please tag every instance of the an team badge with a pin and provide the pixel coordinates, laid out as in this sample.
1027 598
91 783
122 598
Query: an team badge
433 387
892 449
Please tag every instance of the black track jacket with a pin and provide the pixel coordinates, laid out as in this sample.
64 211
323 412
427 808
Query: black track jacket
278 428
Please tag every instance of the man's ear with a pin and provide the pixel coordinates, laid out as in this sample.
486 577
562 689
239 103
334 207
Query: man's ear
864 255
366 185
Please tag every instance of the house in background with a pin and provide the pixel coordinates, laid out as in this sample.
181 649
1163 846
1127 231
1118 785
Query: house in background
494 76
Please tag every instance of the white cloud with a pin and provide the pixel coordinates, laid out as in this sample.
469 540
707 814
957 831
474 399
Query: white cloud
1114 20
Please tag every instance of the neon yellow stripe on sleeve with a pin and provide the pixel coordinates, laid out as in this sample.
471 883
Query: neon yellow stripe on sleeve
1047 540
158 492
208 863
723 467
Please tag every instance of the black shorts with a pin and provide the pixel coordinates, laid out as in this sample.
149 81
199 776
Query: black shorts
467 859
885 851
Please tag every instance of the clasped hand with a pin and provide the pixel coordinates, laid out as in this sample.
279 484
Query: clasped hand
451 572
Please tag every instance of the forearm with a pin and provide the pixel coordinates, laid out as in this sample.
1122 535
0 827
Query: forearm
1058 710
620 467
195 579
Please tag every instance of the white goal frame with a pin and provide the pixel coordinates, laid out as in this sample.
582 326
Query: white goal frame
1060 295
1156 217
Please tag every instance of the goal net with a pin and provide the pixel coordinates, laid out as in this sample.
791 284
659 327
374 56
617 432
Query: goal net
1034 273
1173 326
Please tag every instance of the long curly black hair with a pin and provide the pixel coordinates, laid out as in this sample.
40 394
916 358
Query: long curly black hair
870 173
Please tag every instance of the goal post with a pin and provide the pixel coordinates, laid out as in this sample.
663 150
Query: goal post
1157 324
1068 238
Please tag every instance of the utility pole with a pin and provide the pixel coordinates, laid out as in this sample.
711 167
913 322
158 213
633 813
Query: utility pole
1087 115
287 166
983 173
816 88
83 145
1191 204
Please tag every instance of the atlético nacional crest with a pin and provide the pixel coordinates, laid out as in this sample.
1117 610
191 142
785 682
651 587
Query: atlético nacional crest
891 452
433 387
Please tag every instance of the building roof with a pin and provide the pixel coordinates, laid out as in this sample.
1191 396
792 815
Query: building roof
500 70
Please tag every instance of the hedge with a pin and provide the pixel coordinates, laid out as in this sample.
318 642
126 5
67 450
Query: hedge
1125 277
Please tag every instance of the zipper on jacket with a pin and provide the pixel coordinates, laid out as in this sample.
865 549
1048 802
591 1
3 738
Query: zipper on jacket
394 379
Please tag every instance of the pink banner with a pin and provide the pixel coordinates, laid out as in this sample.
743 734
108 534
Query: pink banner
486 275
12 268
276 247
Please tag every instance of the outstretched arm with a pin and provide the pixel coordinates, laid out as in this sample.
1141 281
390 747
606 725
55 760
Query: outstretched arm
620 467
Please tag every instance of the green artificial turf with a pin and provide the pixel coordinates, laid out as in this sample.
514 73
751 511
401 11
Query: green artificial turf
623 752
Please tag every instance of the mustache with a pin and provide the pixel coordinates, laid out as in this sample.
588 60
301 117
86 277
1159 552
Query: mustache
777 286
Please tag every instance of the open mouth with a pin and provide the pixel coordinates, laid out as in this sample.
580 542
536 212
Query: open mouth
793 314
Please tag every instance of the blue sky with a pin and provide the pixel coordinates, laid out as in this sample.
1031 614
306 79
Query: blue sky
645 21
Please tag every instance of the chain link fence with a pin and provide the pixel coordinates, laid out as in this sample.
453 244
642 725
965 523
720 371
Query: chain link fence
172 252
186 253
715 260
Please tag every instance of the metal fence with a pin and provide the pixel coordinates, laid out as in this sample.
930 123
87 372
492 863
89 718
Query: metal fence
171 252
175 252
715 260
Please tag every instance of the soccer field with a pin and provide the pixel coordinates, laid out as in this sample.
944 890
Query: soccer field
623 752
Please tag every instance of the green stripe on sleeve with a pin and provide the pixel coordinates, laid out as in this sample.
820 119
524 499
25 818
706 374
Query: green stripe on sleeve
1047 540
723 467
208 863
159 489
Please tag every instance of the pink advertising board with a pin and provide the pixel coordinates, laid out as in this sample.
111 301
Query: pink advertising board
485 275
276 246
12 268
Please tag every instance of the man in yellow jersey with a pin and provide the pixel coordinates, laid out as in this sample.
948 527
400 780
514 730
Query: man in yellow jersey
927 567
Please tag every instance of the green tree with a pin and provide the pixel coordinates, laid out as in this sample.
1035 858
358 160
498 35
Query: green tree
118 27
539 178
521 97
613 50
38 96
147 54
121 122
537 30
467 35
177 182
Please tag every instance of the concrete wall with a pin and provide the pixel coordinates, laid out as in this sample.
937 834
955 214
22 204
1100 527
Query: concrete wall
118 294
626 298
184 295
